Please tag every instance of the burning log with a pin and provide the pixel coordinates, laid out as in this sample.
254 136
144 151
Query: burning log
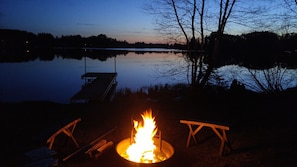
145 145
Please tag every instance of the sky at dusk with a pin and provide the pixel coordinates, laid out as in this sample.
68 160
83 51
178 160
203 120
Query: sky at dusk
120 19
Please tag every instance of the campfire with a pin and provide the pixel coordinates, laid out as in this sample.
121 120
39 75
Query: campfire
145 144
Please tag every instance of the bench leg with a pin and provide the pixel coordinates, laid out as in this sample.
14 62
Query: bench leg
70 134
227 141
223 138
51 142
193 133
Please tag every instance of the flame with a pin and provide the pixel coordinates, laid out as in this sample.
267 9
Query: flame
142 150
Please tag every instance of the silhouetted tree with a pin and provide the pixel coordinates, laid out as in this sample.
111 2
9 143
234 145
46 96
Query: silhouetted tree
185 16
190 20
260 49
45 40
289 19
16 45
73 41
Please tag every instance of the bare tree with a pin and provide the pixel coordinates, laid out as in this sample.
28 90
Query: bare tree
191 20
180 18
289 16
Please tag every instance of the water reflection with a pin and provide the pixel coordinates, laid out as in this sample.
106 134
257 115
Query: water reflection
59 79
269 80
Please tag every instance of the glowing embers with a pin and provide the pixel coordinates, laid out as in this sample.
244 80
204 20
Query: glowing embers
145 144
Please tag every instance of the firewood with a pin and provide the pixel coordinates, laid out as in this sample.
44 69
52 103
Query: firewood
105 146
91 150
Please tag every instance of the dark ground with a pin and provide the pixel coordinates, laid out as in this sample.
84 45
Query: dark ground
262 129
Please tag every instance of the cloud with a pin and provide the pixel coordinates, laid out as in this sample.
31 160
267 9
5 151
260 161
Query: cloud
86 24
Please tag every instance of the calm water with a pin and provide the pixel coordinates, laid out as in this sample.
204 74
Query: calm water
58 80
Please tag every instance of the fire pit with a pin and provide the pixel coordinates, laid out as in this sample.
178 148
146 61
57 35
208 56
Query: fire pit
145 144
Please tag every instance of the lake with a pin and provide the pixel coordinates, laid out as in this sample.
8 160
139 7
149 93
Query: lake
59 79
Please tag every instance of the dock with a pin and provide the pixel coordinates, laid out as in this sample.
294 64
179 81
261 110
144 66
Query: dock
97 86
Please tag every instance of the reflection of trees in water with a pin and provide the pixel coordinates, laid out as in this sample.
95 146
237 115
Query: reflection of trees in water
270 80
187 67
266 80
173 70
275 79
101 55
48 54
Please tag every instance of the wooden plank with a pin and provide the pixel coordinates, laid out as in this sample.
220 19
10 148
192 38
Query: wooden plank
205 124
95 147
96 74
97 89
89 145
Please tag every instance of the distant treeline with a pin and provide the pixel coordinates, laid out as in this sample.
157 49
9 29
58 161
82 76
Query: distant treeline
255 49
16 45
23 39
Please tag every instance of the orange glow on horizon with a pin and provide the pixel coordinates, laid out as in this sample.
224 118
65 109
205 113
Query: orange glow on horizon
154 39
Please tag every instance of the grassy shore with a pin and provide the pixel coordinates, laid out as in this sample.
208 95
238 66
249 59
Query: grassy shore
262 127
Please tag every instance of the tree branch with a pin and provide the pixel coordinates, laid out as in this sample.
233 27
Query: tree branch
178 21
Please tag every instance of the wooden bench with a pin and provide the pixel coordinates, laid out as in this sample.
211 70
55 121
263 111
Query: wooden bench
67 127
214 126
